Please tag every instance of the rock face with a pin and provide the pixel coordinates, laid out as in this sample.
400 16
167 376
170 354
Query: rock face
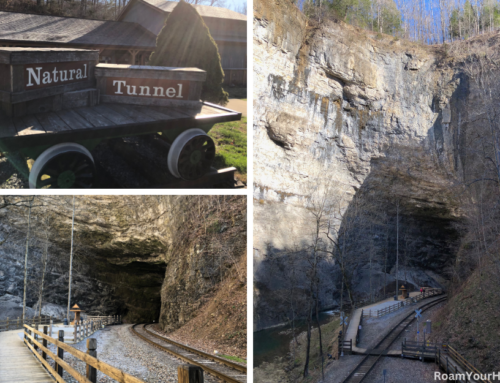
12 307
129 251
374 116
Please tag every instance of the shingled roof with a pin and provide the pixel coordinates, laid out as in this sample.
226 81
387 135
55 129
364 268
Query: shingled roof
68 30
203 10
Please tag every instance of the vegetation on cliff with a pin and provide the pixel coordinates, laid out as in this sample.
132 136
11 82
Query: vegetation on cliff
426 21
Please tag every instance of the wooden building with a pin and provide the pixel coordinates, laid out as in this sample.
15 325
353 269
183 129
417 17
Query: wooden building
228 29
132 38
117 42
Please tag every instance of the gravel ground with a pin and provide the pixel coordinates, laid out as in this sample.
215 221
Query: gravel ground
374 329
411 331
118 347
402 371
336 371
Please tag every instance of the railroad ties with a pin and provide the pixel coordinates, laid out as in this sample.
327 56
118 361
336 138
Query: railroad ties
362 370
221 368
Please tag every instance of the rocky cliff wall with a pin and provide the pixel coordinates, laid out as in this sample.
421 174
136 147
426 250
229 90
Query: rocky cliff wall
371 114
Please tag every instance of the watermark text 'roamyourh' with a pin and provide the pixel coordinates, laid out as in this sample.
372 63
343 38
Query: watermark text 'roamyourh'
470 375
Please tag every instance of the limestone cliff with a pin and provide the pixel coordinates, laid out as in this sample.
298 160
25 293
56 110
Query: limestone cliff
148 258
370 113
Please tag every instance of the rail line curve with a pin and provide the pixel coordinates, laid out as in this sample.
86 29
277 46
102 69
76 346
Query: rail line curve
221 368
363 368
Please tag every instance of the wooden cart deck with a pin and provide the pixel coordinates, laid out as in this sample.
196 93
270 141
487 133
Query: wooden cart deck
104 121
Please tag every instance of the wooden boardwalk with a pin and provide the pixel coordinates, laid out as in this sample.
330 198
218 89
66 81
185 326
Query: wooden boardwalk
17 363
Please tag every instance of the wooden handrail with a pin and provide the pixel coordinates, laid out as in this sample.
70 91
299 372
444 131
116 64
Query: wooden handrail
105 368
461 360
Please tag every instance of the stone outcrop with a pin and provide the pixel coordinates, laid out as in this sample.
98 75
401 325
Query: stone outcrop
374 115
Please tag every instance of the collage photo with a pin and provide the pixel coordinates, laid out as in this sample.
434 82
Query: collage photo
268 191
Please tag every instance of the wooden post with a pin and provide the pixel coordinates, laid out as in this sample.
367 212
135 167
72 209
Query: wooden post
188 373
92 351
36 337
75 334
44 341
51 323
60 354
340 347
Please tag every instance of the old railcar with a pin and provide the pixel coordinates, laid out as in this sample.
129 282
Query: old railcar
58 104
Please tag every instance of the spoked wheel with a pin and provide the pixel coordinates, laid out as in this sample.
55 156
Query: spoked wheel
63 166
191 154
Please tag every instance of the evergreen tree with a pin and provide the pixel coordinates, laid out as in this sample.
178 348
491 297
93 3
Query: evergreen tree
185 41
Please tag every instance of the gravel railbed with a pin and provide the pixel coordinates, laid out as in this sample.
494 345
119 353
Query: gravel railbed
411 331
374 329
402 371
336 371
117 346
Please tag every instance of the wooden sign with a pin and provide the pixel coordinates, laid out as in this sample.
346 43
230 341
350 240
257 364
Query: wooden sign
53 74
147 87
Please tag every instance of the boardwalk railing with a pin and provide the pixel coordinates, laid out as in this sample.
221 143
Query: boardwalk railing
451 362
446 357
109 319
396 306
32 339
85 328
13 324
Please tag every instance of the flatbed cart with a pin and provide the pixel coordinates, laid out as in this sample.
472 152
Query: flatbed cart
55 128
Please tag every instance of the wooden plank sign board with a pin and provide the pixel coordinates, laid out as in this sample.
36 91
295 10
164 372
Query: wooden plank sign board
149 85
36 76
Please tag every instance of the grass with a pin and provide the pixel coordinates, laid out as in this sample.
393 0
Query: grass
234 358
231 146
329 333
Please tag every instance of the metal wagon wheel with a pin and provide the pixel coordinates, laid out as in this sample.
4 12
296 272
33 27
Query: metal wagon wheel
191 155
63 166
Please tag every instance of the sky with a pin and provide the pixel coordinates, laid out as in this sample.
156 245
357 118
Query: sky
235 4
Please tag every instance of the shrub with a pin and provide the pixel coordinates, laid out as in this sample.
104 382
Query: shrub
185 41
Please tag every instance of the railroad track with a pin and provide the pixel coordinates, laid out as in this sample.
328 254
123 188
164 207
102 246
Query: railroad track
366 365
221 368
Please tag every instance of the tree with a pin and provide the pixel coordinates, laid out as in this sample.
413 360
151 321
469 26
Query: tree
44 262
26 257
71 259
185 41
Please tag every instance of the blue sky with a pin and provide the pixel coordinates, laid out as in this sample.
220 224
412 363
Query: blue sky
234 4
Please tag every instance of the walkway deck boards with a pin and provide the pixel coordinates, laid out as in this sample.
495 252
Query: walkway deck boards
17 362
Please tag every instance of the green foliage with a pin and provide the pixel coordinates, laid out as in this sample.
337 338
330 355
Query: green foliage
234 358
382 16
464 22
185 41
231 141
390 19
